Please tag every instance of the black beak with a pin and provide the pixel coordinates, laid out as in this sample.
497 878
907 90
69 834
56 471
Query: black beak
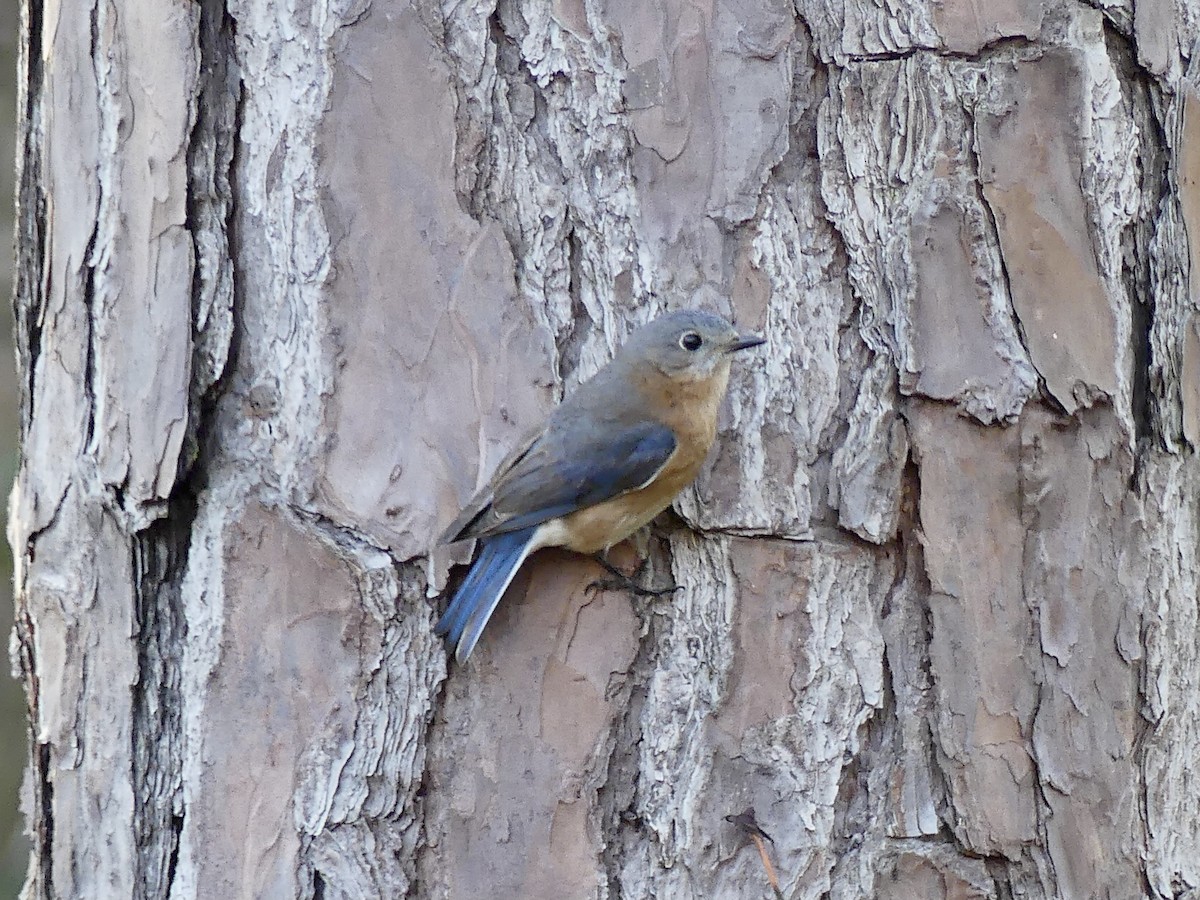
745 342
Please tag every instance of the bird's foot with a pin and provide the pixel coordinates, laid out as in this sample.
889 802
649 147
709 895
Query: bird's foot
619 581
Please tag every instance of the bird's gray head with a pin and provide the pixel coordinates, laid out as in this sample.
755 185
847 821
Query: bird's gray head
688 344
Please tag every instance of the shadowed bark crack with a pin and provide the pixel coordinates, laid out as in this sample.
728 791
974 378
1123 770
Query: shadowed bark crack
1146 101
160 557
30 209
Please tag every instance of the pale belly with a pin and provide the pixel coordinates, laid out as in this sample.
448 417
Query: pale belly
600 527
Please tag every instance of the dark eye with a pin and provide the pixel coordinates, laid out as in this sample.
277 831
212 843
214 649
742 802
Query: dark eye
689 340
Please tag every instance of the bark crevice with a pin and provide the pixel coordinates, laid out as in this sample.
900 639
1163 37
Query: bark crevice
160 560
30 219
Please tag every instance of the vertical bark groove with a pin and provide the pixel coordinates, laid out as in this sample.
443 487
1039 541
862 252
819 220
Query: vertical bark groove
159 560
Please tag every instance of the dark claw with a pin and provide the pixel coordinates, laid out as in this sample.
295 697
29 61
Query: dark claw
628 584
622 582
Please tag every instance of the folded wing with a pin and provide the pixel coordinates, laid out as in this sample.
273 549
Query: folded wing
564 470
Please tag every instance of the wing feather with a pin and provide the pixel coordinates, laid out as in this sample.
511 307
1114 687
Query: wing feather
564 470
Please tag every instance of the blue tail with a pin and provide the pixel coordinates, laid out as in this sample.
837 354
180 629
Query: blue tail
486 583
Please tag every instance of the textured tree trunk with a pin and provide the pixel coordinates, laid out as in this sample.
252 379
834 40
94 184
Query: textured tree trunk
293 276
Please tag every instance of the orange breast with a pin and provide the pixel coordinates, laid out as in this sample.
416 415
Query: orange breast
689 409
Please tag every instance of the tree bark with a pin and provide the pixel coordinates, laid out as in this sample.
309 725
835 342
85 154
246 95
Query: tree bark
293 277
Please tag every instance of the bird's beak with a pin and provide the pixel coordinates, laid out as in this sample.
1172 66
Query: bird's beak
745 342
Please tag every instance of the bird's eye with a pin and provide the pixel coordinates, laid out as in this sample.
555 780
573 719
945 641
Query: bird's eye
689 340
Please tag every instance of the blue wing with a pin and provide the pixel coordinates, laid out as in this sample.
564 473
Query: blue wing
567 469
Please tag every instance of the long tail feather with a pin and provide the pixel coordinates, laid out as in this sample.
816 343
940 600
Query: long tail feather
452 621
476 599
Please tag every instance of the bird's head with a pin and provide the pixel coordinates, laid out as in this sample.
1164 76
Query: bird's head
688 345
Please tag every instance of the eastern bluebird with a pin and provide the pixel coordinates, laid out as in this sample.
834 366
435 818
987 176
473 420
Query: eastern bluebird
609 459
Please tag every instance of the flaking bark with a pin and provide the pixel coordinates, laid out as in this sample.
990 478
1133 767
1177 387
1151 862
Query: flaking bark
292 280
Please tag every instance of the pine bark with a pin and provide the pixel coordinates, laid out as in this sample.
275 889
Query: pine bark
293 277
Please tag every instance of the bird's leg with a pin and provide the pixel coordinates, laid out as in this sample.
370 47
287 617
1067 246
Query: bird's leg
622 582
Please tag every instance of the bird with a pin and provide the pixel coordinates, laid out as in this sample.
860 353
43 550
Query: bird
607 460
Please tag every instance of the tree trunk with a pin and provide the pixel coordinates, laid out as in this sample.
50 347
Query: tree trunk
293 277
